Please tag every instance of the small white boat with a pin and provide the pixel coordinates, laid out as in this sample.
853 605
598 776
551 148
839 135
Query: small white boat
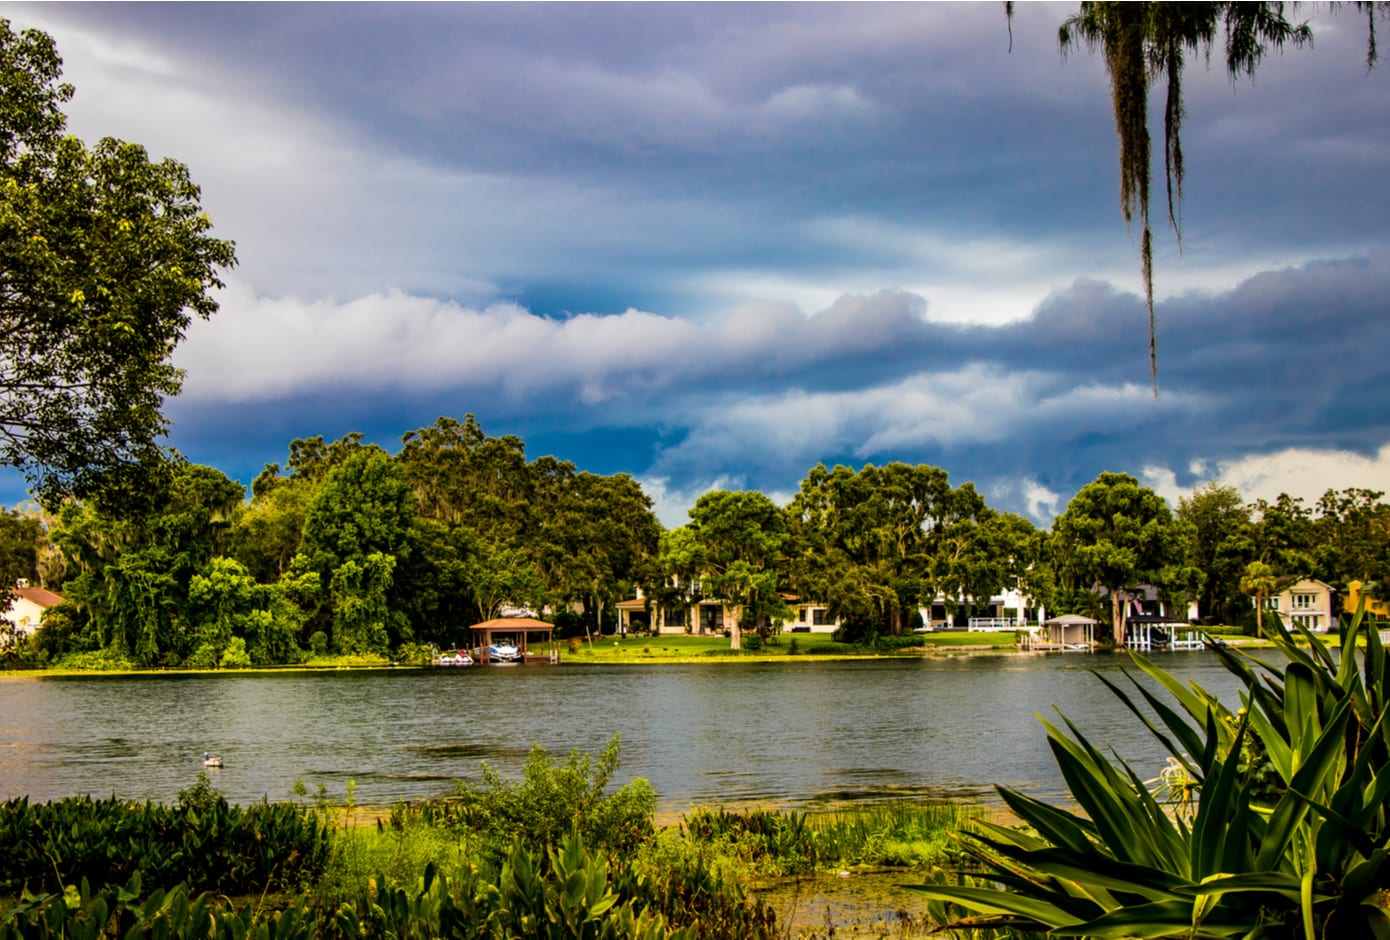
453 658
210 761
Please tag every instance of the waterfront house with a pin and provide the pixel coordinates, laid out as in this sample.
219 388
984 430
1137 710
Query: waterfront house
1305 603
28 605
1377 609
706 616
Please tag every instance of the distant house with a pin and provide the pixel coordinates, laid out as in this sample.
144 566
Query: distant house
1378 609
28 606
1306 603
712 615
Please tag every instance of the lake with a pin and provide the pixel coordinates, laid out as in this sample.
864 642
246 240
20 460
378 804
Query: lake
787 734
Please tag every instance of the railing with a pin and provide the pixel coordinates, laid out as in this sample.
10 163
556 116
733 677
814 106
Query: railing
993 624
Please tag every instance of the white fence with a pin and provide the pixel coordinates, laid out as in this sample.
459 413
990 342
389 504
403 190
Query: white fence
994 625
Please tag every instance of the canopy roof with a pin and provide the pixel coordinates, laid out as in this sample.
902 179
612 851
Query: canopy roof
1069 620
502 624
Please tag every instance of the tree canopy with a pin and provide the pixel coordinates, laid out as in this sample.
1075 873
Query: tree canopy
105 256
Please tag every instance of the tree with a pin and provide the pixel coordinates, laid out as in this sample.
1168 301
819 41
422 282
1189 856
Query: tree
105 256
1259 581
863 542
743 536
1114 533
133 570
1352 535
1217 544
356 531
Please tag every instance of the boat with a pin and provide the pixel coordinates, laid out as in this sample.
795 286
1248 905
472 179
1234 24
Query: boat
503 653
452 658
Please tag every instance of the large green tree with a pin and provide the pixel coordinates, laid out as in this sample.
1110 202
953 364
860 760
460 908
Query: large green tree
743 537
1117 534
105 256
1218 543
1352 538
131 571
355 533
863 541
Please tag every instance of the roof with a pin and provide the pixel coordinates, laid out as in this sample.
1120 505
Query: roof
636 604
38 596
513 623
1067 620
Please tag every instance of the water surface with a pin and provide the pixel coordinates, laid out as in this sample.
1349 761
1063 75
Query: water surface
791 734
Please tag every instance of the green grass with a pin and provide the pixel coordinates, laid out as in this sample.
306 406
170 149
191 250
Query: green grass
1007 640
686 649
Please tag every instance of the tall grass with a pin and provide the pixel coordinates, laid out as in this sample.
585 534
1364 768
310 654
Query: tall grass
784 842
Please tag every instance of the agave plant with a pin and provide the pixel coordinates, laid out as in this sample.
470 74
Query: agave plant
1285 836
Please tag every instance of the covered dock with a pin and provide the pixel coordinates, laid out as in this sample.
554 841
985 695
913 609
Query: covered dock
534 639
1149 632
1070 633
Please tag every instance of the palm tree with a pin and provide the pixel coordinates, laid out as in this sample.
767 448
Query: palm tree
1260 582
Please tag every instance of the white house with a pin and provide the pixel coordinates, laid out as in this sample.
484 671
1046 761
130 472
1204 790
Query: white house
1305 603
28 606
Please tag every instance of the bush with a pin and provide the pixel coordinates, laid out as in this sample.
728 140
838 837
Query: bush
235 655
752 642
554 798
318 642
201 842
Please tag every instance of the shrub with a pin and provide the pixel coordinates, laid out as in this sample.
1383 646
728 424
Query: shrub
318 642
554 798
201 842
235 655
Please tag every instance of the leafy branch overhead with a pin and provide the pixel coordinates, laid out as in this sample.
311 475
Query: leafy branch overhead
105 256
1149 44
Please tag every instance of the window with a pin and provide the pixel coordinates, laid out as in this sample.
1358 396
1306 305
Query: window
819 618
1304 601
801 615
675 618
1271 603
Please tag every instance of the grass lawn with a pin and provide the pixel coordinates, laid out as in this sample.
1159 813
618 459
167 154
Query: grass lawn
793 646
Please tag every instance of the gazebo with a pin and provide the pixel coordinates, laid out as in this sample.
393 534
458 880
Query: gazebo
1071 632
520 630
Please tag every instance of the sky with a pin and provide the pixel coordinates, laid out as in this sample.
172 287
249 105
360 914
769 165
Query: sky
713 245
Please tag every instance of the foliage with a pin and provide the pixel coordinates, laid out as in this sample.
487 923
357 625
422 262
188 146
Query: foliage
1114 533
740 539
202 842
1283 827
105 257
1218 542
356 531
132 570
554 798
789 842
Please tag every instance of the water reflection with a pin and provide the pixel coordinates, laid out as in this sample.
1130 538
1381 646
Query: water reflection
786 734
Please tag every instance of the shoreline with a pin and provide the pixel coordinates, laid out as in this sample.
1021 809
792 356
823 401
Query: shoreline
625 659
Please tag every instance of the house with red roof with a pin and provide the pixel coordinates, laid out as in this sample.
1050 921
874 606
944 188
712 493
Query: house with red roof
28 605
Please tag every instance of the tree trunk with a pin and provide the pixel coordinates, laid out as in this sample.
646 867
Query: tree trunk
895 621
735 634
1117 616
